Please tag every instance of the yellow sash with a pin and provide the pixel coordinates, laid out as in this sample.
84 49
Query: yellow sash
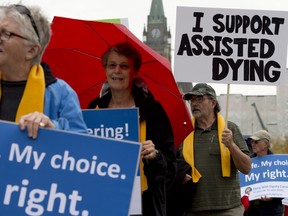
33 96
188 151
144 184
142 138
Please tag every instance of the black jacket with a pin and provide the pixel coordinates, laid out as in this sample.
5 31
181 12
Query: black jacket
160 172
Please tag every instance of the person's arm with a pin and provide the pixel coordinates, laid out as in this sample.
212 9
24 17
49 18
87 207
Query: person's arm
159 131
240 159
62 106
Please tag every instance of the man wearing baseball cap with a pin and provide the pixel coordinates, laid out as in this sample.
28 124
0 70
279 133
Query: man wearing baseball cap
263 138
266 206
215 151
201 89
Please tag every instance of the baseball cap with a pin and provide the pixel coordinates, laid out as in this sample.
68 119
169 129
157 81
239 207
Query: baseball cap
261 134
200 89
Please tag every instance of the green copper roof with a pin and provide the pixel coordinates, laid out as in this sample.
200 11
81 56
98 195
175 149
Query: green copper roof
156 12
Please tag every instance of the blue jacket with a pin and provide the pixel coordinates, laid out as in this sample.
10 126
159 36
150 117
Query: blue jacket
62 104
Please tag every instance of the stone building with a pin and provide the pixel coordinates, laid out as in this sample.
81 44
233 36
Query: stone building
252 112
272 111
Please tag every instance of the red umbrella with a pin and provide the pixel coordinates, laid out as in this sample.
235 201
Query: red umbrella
74 54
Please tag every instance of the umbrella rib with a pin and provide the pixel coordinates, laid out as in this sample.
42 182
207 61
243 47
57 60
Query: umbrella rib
79 51
163 87
151 61
160 85
148 62
93 30
93 86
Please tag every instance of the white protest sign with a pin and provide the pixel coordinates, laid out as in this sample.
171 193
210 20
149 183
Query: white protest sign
230 46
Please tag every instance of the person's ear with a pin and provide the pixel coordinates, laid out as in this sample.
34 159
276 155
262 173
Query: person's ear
214 102
33 51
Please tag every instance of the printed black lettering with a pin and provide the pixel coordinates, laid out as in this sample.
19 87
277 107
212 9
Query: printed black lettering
221 26
216 65
197 27
196 39
270 48
185 46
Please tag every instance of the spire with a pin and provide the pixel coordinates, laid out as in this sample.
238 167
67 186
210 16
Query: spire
156 12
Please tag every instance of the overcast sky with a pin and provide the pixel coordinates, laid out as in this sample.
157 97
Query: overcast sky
137 11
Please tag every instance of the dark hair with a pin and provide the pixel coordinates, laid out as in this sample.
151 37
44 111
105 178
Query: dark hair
217 107
127 50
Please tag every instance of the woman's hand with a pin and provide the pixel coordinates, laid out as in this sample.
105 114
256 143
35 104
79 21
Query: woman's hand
186 179
33 121
148 150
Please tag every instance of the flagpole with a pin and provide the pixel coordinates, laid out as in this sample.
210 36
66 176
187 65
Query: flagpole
227 105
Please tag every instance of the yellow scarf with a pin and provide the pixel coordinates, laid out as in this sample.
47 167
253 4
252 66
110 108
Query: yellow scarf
188 151
144 184
33 96
142 138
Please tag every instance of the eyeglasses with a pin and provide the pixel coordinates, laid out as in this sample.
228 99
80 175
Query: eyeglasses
123 66
6 35
25 11
198 99
256 141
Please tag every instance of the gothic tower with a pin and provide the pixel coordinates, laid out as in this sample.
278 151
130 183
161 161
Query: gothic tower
157 36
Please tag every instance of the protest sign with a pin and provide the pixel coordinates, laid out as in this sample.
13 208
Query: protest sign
230 46
113 123
65 173
268 177
119 124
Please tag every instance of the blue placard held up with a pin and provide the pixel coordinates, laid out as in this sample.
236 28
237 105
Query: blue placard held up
122 123
268 177
65 173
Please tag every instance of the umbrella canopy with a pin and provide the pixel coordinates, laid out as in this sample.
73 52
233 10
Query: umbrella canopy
74 54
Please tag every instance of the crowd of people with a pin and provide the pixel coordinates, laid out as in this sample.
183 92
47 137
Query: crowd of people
200 178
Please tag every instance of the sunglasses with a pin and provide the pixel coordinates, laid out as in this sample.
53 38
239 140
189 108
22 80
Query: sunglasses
25 11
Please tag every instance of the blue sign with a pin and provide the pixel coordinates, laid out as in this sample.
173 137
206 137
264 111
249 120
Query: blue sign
114 123
65 173
268 177
122 123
